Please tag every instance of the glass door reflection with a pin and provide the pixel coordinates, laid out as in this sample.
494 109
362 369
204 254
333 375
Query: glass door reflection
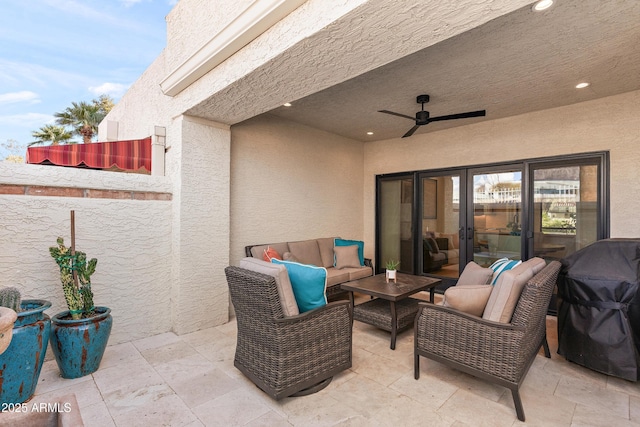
565 209
497 215
395 233
440 196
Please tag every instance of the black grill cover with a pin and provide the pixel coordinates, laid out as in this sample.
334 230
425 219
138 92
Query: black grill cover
599 307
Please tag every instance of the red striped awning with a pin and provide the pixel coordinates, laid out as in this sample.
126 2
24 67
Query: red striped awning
132 155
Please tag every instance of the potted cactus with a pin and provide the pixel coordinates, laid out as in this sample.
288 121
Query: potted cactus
23 357
80 334
9 308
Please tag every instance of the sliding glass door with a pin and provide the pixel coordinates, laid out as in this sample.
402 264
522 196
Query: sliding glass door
496 215
440 223
395 222
566 208
435 222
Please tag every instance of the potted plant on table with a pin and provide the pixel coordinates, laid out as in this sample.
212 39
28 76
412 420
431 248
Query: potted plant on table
391 268
22 359
79 335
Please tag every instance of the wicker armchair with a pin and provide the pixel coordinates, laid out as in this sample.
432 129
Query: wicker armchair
286 356
498 352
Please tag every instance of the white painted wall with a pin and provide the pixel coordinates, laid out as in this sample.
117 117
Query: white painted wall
609 124
130 238
292 182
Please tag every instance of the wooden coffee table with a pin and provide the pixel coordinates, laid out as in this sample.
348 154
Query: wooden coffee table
391 309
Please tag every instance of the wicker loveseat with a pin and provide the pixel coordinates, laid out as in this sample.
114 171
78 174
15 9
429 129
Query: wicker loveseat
286 356
498 352
318 252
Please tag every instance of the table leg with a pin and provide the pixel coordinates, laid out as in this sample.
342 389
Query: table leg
394 324
432 295
352 302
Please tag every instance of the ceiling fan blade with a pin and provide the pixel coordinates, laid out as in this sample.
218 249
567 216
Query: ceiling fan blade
411 131
459 116
397 114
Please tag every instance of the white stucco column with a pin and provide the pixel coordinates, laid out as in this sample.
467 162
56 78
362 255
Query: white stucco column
200 225
158 145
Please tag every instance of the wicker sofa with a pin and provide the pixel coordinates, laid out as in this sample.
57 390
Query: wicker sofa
318 252
498 352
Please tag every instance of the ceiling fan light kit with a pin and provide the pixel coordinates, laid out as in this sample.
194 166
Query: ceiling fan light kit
422 116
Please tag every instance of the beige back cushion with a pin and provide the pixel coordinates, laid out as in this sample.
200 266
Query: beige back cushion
258 251
326 251
536 264
278 272
307 252
505 294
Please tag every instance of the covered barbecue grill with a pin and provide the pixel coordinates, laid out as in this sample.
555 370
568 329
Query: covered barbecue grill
599 307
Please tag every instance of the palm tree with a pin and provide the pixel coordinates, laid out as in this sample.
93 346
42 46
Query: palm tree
51 133
84 117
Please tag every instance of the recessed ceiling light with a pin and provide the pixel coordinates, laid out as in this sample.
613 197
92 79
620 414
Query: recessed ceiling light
287 104
369 133
582 85
542 5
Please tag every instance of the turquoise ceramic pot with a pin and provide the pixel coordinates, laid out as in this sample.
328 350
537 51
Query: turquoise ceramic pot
21 363
78 345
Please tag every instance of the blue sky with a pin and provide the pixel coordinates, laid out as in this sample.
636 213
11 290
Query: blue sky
54 52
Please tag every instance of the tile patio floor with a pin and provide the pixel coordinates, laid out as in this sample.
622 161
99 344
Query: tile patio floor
189 380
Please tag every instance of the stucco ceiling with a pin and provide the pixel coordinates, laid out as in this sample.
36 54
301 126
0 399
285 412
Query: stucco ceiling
518 63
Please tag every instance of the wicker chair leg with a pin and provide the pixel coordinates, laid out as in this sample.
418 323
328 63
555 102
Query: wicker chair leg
416 365
518 403
545 345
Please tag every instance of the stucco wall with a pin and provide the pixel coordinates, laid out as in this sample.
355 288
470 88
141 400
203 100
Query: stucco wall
201 226
292 182
130 238
607 124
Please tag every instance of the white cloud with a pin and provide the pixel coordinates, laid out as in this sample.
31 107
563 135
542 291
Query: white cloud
22 96
115 90
28 120
129 3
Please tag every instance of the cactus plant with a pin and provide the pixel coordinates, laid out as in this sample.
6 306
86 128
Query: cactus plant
10 297
78 295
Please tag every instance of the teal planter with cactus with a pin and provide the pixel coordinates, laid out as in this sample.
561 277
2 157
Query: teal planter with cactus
78 344
21 363
79 336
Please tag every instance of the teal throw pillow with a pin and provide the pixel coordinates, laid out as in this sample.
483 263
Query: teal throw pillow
309 284
502 265
344 242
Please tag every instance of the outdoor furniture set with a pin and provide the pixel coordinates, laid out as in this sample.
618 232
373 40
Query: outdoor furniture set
291 344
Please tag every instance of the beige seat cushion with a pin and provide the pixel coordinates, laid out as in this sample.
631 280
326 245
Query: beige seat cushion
359 272
278 272
473 274
335 276
506 292
307 252
470 299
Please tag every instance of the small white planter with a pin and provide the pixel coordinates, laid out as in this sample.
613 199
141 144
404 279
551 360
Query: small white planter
391 275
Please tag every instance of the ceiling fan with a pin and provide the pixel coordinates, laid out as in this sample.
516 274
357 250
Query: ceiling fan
422 117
